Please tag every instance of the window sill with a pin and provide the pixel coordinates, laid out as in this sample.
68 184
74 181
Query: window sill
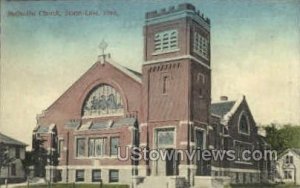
165 51
243 162
103 115
201 55
114 182
102 157
242 133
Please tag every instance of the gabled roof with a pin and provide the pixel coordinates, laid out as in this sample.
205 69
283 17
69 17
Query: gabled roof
293 150
10 141
226 109
44 128
138 74
296 150
262 140
221 108
131 73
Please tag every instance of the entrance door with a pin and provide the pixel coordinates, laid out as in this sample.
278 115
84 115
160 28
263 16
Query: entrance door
199 146
171 163
165 142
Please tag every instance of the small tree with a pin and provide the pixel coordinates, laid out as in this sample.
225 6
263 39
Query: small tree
39 157
27 162
5 159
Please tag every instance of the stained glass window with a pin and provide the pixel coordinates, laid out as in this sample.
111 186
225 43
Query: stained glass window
60 146
80 147
96 147
114 144
243 125
102 101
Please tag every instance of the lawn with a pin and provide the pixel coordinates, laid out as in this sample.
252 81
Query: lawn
61 185
265 186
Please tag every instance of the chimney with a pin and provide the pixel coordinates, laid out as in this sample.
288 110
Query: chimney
224 98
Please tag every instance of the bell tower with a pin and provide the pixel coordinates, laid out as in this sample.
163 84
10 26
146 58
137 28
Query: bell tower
176 78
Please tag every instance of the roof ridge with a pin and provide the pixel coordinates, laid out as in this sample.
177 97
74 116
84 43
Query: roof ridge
125 70
233 109
218 102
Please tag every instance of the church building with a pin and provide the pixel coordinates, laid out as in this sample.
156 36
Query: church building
167 107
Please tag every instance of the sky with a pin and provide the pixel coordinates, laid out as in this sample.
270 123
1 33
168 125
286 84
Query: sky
255 47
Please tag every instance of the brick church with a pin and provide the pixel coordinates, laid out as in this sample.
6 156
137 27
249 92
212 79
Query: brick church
167 106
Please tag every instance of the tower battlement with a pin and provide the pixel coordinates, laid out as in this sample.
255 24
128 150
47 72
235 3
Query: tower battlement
172 10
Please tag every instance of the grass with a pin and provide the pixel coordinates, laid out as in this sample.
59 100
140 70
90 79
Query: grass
62 185
264 186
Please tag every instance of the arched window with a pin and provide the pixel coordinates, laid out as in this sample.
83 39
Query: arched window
165 84
244 124
103 100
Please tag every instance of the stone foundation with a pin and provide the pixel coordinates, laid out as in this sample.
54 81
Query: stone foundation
69 174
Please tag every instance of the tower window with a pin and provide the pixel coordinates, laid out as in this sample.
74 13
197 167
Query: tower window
166 41
200 45
201 82
200 92
165 84
201 78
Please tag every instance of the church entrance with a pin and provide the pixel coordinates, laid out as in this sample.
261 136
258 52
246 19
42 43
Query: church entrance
201 165
172 163
167 164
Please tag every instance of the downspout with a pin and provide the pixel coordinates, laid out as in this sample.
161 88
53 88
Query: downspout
189 113
67 157
295 180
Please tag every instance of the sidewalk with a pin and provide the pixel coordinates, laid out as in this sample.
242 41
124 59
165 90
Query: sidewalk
32 182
